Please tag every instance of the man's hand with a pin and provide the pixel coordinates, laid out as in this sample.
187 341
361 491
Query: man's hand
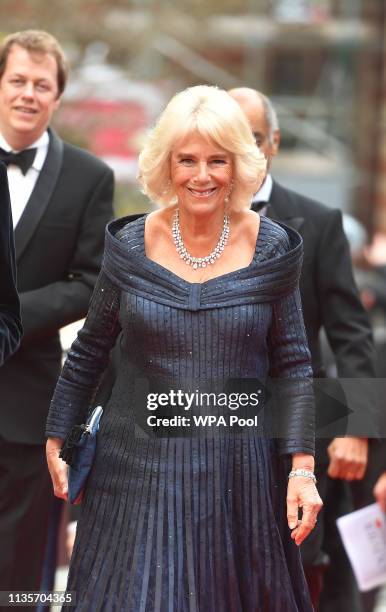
380 491
348 458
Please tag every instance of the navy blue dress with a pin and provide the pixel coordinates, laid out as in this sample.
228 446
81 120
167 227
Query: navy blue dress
181 521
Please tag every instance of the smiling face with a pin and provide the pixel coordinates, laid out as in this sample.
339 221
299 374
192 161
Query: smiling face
28 96
201 174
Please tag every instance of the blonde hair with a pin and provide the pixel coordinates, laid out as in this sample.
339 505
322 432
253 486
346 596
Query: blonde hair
215 115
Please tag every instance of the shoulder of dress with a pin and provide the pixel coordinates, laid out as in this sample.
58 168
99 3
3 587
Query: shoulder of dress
124 246
126 229
282 236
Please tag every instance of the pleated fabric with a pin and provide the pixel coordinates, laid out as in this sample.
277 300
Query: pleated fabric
183 522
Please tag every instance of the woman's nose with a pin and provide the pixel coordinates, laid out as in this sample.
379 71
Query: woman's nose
202 172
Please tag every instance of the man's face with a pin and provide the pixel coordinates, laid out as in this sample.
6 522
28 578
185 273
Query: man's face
254 111
28 96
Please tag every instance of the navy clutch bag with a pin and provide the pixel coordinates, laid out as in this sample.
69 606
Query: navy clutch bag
78 451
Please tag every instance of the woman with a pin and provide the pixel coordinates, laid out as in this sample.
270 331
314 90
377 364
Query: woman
205 294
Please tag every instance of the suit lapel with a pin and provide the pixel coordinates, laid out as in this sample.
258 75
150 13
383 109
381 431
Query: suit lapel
279 205
40 195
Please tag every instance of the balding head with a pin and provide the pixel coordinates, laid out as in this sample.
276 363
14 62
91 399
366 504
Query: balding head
261 116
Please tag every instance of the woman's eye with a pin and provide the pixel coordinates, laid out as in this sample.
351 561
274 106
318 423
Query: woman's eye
187 161
219 162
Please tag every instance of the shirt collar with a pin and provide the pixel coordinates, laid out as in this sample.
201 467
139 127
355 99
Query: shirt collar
41 144
264 193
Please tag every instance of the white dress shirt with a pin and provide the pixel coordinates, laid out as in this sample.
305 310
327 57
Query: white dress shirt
21 186
264 193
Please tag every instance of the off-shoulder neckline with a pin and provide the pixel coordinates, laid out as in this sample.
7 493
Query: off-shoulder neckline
166 272
127 266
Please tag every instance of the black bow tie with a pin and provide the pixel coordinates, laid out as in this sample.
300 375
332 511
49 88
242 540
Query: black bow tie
257 206
23 159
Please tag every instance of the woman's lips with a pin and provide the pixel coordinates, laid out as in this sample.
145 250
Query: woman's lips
204 193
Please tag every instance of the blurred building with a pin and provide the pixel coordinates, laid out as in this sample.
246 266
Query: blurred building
323 64
321 61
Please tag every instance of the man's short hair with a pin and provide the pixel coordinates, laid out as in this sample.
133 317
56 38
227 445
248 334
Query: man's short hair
36 41
270 115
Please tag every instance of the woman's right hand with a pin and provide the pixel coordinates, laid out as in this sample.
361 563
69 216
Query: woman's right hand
57 467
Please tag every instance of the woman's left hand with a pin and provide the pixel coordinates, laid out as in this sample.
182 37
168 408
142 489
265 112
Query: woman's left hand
302 493
57 468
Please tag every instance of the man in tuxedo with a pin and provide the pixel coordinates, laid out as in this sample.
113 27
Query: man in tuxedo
61 200
10 323
330 301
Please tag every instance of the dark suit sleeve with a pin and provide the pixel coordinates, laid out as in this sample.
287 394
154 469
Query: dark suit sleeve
345 320
47 309
10 324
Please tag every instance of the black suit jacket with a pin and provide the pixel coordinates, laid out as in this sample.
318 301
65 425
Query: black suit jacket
10 323
59 245
330 299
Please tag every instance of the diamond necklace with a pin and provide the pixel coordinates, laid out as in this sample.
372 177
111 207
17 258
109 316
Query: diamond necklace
199 262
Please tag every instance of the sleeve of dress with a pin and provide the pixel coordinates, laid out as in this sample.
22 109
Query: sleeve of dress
86 361
293 418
